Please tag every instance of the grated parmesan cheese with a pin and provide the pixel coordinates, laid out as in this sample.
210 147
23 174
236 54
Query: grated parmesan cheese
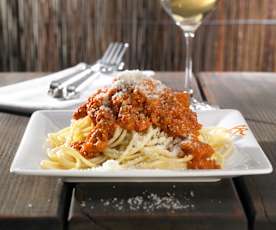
150 87
147 201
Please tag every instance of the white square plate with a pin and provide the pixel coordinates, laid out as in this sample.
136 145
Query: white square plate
247 159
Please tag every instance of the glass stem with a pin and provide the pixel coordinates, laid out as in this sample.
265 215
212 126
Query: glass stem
189 36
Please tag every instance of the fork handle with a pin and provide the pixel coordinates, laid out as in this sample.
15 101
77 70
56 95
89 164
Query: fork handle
70 73
77 83
70 90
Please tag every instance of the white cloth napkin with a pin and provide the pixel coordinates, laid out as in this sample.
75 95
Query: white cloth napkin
29 96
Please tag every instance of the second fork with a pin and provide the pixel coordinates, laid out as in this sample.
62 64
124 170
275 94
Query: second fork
109 63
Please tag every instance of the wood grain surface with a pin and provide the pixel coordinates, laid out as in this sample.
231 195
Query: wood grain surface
143 206
211 205
47 35
254 95
26 202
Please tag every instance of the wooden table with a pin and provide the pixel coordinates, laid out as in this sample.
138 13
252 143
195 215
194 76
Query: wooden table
47 203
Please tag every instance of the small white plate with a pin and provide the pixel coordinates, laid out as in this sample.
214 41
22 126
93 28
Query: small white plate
247 159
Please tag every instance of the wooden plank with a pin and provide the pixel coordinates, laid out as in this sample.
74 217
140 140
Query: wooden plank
27 202
254 95
7 78
39 35
151 206
207 205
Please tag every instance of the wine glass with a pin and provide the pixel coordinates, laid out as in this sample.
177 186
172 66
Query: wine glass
188 15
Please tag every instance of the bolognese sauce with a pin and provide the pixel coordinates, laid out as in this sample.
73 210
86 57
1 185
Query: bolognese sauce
136 105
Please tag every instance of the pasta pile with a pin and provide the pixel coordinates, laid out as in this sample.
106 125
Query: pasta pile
151 149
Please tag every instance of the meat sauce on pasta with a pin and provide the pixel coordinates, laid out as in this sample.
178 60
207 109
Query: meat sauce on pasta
136 107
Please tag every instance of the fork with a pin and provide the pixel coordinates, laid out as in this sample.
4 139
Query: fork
109 63
66 87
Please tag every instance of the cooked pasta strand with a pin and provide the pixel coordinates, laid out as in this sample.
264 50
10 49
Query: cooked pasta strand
130 149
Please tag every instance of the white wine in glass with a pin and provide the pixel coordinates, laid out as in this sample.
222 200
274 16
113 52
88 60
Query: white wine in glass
188 15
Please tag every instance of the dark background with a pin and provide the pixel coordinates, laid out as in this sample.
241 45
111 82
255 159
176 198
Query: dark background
48 35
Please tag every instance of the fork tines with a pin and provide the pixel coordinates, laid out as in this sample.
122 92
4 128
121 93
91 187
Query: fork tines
114 53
